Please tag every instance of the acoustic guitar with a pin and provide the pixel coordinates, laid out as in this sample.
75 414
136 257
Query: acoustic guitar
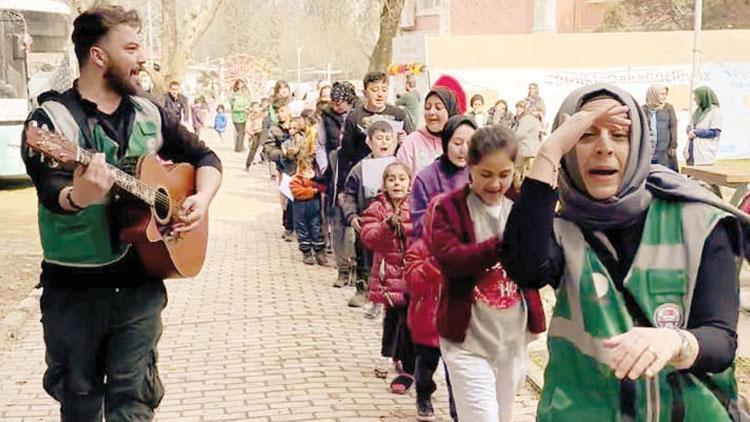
148 210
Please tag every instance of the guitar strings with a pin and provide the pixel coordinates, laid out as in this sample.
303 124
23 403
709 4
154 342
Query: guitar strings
159 197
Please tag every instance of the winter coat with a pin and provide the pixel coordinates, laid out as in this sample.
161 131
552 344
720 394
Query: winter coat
388 245
220 122
419 150
434 179
463 263
304 189
423 279
528 133
275 149
355 200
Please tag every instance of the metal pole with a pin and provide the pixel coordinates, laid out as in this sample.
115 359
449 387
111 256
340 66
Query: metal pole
150 38
696 51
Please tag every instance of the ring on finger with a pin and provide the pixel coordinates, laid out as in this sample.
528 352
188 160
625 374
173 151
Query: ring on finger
652 351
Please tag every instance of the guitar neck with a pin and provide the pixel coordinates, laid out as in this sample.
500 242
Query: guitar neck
123 180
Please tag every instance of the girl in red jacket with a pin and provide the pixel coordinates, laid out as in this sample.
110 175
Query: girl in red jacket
482 315
385 228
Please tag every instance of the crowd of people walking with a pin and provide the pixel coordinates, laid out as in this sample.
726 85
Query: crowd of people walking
446 217
417 206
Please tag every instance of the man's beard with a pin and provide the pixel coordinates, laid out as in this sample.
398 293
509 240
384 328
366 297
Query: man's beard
118 83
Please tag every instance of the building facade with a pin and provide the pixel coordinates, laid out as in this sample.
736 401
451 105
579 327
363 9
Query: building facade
487 17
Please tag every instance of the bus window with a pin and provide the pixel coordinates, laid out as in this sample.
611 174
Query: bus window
12 56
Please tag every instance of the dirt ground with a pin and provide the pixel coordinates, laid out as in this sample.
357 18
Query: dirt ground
20 251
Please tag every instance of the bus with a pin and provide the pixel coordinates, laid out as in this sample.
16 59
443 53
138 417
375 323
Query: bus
34 57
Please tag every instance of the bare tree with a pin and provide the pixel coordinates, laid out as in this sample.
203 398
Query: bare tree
389 21
666 15
79 6
178 37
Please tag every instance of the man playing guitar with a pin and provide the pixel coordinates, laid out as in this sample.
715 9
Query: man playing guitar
101 309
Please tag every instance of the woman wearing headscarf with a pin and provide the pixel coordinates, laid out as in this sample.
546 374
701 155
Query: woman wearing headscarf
662 124
705 128
643 261
424 145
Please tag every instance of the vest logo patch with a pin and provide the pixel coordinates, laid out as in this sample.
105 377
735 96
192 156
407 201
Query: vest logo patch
668 315
601 284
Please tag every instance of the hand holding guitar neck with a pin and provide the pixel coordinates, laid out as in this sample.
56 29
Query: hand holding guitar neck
92 183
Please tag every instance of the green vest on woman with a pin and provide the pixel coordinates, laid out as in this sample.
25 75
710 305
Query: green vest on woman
579 385
89 238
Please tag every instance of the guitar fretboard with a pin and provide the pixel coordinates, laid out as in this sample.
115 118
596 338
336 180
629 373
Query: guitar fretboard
122 179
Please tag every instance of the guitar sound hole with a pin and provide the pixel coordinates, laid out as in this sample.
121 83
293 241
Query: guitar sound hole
161 206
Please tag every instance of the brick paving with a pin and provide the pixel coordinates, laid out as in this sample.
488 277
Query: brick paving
257 336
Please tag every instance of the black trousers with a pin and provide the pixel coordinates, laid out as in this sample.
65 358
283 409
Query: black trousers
287 218
396 342
239 136
427 362
97 332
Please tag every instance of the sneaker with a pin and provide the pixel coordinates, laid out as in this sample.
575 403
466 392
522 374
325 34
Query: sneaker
288 235
382 367
320 258
374 311
342 280
358 300
309 258
425 412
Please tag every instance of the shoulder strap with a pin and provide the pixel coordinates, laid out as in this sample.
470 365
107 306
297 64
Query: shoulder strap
69 100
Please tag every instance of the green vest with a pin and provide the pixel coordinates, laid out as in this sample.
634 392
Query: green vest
88 238
578 384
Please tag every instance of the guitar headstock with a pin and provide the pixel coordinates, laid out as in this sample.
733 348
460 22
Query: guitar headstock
51 145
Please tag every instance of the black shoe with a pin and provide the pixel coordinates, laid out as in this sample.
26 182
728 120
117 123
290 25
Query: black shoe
425 412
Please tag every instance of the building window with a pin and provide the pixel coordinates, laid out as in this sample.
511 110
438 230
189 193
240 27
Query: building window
431 6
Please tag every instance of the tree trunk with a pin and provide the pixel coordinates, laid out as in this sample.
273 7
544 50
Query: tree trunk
389 21
79 6
178 42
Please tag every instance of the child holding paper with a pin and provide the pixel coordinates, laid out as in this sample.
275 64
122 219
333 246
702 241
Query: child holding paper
357 197
386 226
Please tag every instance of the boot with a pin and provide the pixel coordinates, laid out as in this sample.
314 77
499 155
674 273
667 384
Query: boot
342 280
309 258
360 297
320 257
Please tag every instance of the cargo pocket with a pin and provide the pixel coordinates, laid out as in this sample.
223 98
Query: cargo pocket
153 389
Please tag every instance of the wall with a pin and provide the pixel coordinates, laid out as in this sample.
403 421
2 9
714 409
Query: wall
475 17
580 15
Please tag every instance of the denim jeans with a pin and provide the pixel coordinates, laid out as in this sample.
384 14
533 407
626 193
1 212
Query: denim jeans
95 332
308 225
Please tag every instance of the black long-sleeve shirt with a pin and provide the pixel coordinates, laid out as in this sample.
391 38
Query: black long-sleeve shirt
533 258
180 145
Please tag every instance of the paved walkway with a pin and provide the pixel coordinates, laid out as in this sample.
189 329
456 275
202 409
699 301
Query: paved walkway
258 336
